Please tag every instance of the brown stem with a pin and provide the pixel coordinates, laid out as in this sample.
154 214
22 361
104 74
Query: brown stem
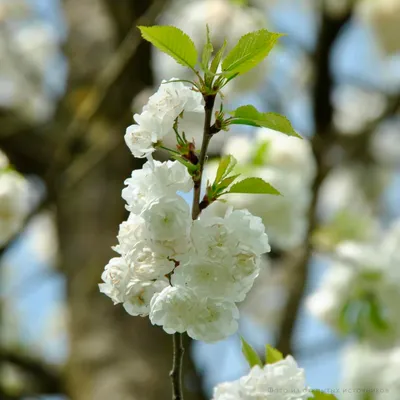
178 348
207 135
176 371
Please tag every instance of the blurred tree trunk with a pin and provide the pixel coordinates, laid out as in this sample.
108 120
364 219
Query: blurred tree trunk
112 355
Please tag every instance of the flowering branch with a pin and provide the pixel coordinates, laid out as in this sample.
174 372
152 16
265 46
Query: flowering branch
177 338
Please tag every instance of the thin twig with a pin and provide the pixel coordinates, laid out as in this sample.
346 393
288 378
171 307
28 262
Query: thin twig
176 371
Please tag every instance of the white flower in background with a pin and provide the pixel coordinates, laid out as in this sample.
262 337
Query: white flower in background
155 179
116 277
384 18
363 271
158 116
14 207
226 21
282 380
288 164
385 144
371 367
355 107
36 44
139 294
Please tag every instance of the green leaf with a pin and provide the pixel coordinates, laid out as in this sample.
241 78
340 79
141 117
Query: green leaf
249 115
253 186
249 51
272 355
172 41
207 51
226 182
215 64
318 395
376 315
250 354
259 157
225 167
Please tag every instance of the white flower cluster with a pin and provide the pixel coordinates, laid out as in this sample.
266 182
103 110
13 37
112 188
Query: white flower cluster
288 164
371 368
369 270
186 275
13 201
282 380
159 114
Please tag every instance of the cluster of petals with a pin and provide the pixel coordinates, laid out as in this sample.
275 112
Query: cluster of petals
158 116
186 275
282 380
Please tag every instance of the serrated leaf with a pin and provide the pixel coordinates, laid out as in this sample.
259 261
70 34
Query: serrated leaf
249 115
250 354
253 186
227 181
207 51
249 51
272 355
173 42
225 167
318 395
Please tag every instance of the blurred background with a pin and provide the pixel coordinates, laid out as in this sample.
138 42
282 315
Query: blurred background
72 73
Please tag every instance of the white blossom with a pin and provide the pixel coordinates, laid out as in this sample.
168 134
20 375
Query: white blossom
282 380
116 277
174 309
179 310
14 190
155 179
147 263
140 138
139 295
159 114
215 321
167 218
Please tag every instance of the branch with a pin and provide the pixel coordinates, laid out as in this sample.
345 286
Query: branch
176 372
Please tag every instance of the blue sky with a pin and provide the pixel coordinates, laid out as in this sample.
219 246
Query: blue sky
41 290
